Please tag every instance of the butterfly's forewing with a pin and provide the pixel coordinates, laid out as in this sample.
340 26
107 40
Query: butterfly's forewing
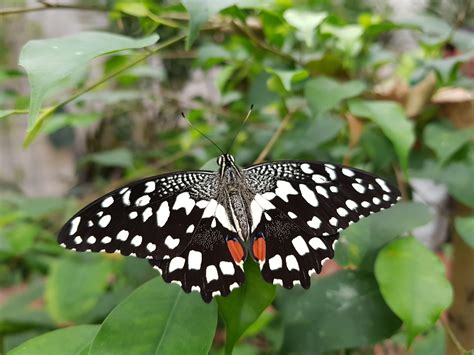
299 208
151 218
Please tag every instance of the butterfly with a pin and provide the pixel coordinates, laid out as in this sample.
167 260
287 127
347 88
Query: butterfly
198 227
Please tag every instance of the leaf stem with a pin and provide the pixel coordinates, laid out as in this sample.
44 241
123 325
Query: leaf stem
45 5
268 147
453 338
45 114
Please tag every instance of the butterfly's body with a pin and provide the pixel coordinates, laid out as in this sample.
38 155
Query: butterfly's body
197 227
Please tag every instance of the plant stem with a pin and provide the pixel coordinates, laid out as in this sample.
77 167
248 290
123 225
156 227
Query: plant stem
453 338
45 5
268 147
41 119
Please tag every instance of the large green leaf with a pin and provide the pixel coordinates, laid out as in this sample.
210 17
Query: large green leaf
361 240
67 341
158 318
245 304
306 22
391 119
340 311
465 228
324 94
49 62
446 141
413 283
74 287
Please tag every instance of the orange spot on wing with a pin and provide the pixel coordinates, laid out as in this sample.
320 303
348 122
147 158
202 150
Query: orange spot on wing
259 249
236 250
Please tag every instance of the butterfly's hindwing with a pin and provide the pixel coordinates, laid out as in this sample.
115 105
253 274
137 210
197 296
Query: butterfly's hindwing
206 266
150 218
292 254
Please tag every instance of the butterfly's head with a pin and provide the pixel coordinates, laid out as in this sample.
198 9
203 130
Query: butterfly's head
226 164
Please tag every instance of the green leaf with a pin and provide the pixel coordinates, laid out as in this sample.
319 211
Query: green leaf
50 62
201 10
362 239
434 343
67 341
22 236
117 157
35 207
158 318
348 38
19 312
391 119
71 301
69 120
457 177
245 305
287 77
306 22
465 228
446 141
343 310
324 94
413 283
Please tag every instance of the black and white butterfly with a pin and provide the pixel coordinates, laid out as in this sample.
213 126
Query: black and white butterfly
197 227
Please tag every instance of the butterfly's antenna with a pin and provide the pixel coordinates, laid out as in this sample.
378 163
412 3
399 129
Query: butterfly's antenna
201 133
240 128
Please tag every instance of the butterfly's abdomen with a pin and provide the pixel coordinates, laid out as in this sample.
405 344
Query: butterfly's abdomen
238 209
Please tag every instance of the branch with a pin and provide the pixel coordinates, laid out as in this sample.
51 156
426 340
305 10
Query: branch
41 119
268 147
45 5
260 43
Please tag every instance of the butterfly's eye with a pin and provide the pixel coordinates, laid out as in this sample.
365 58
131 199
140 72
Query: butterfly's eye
230 157
219 160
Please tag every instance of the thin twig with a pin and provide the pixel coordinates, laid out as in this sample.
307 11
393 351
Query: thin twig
45 5
402 185
268 147
32 133
260 43
453 338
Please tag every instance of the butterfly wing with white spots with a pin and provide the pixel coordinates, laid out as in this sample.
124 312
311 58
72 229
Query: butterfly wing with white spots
300 207
151 218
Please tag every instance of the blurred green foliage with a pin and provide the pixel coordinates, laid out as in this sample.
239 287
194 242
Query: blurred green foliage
321 73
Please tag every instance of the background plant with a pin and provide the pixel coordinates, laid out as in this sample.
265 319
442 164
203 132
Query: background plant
327 84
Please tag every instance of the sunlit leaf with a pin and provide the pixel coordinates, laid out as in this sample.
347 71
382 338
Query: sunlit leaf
245 304
413 283
361 240
306 22
69 120
286 77
49 62
74 287
158 318
324 94
391 119
344 310
465 228
67 341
